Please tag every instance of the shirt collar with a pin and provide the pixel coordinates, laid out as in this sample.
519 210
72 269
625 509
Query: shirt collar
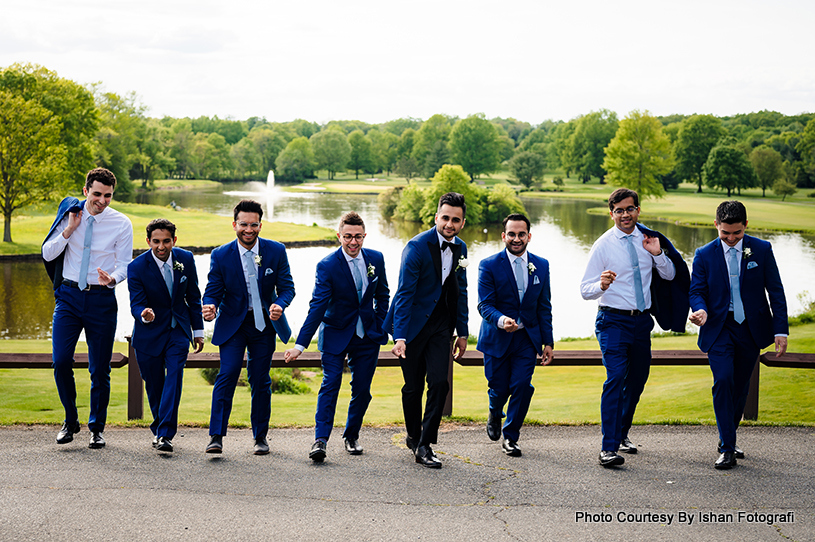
738 247
512 257
442 239
622 235
96 218
350 259
159 263
243 250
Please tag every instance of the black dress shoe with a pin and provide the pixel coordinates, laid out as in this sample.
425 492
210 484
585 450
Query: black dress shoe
66 434
738 452
352 446
411 444
216 445
726 461
317 453
628 447
494 426
261 446
426 457
511 448
97 440
164 445
610 459
155 441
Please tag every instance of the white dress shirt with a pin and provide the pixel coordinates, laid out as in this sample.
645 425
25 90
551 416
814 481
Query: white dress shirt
111 246
446 258
512 257
610 252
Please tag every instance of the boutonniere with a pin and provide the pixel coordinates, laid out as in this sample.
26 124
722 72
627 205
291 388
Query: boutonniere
531 267
371 270
747 252
258 259
462 263
178 266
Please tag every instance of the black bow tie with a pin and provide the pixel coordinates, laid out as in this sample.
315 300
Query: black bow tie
445 245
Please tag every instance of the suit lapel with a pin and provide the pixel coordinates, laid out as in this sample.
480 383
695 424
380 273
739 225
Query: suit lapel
345 269
743 267
435 253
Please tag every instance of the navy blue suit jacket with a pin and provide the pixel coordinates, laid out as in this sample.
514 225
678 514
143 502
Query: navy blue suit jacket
420 287
54 267
335 307
498 295
226 287
710 290
148 290
669 298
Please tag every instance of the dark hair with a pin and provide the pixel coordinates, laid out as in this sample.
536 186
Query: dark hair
517 217
160 224
248 206
453 199
731 212
351 219
619 195
101 175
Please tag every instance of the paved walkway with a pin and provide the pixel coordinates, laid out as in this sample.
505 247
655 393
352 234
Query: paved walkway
556 491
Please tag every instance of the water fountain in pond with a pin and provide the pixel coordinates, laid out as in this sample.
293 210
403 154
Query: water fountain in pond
265 194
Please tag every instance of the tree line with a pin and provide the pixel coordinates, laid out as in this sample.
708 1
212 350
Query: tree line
52 130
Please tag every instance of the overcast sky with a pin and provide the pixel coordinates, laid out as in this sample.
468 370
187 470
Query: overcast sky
381 60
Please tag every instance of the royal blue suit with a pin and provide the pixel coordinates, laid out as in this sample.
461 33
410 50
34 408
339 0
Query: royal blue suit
235 331
509 358
335 308
161 347
425 313
733 348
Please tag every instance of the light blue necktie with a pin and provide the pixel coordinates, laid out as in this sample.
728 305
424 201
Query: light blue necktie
358 281
168 280
635 263
253 290
735 291
86 255
519 277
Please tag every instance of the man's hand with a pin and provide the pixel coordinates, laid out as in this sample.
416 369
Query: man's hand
607 278
275 312
104 278
148 315
699 317
459 348
780 346
510 325
548 355
199 344
399 349
73 223
651 244
291 354
209 312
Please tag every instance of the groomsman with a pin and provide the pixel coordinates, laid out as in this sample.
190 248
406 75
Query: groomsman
166 304
430 305
86 253
634 273
515 305
732 278
248 288
349 304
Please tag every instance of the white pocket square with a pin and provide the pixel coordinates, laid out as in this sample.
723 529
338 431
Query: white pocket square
537 280
269 271
183 278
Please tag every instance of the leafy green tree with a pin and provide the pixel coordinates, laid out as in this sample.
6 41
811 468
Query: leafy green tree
527 167
397 127
436 158
297 161
563 143
384 149
697 137
474 144
407 167
410 204
116 144
72 105
536 142
592 134
501 201
244 158
405 146
331 150
436 128
153 161
452 178
362 152
268 144
181 147
806 144
767 163
506 148
784 188
33 165
639 155
727 167
515 129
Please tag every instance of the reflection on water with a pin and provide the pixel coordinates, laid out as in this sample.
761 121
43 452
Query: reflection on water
562 231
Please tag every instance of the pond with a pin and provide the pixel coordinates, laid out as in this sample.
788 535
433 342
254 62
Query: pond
562 232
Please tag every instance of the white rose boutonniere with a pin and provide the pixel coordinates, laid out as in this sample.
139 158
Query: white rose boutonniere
462 263
747 252
531 267
371 270
258 259
178 266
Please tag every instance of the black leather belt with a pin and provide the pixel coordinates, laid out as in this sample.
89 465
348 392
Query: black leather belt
632 312
91 287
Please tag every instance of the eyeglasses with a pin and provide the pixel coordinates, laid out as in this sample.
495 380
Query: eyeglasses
511 235
253 225
619 210
358 237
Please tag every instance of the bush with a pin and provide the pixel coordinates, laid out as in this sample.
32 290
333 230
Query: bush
558 182
283 382
211 373
811 195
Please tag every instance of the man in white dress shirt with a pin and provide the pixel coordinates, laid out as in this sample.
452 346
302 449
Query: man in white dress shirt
86 253
619 275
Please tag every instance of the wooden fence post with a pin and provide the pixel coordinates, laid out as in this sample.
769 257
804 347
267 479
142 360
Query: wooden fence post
751 406
135 387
